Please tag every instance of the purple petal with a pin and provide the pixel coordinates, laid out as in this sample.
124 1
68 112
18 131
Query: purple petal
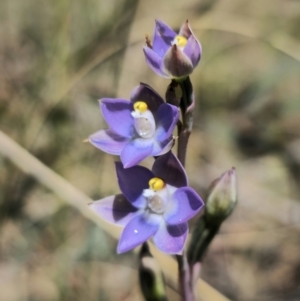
116 110
185 30
132 182
168 168
193 50
184 205
115 209
163 37
138 230
108 141
166 118
176 63
154 61
171 239
136 151
161 148
148 95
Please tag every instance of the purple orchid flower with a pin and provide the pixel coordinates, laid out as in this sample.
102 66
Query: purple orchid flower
138 128
172 55
155 203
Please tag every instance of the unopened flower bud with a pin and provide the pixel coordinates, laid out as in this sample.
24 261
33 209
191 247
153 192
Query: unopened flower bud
221 200
222 196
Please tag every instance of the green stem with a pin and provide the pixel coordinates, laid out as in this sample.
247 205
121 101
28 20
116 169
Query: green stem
186 107
184 131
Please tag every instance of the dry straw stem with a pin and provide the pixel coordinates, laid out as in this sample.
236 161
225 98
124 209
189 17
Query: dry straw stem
76 198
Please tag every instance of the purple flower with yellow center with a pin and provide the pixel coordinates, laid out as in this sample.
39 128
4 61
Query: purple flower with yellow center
138 128
155 203
173 55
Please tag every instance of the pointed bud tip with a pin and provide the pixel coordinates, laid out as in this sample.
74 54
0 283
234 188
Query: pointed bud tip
222 196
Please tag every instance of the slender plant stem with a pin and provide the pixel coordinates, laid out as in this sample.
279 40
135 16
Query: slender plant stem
184 131
195 271
183 138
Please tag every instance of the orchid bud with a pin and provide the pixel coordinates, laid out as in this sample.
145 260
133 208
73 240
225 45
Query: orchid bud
221 200
222 195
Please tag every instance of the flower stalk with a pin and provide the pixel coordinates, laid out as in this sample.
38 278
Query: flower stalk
184 128
187 104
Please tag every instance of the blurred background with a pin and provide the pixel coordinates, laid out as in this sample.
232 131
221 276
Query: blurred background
57 58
